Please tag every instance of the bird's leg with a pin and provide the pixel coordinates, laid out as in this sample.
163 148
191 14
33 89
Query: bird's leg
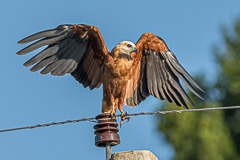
113 112
123 116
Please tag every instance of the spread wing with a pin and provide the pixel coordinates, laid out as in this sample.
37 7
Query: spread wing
76 49
156 72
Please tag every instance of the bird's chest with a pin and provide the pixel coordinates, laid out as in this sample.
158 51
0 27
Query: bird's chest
116 74
123 66
119 68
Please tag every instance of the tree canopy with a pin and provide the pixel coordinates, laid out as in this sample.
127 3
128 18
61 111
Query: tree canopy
212 134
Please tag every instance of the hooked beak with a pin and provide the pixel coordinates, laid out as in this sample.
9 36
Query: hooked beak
135 50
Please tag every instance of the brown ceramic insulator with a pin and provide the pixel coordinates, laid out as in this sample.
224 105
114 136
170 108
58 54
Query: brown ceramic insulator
106 131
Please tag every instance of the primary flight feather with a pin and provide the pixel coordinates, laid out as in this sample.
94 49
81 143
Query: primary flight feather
129 73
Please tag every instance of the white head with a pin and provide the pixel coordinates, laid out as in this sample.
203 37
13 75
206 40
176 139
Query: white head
126 47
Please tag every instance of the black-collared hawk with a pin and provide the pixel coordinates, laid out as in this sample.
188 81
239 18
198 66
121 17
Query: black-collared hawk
129 73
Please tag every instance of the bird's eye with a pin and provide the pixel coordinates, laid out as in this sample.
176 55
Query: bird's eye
129 45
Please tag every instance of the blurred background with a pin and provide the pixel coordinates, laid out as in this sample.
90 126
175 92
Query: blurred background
205 37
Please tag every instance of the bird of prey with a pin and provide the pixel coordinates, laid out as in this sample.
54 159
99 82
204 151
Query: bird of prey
129 73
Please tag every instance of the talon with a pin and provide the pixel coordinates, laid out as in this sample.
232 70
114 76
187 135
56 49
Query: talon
124 117
113 116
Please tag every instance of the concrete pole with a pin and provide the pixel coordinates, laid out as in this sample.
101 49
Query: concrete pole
130 155
108 151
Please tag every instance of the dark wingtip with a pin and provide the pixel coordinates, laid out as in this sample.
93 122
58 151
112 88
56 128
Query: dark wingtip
202 90
185 106
189 105
26 64
42 72
33 70
193 105
201 97
21 41
20 52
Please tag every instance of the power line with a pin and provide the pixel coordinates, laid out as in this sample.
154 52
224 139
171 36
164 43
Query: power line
182 111
49 124
133 114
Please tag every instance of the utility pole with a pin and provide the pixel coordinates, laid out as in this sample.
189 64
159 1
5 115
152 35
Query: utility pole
106 133
106 136
108 151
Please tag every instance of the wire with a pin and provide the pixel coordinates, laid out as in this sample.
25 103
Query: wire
49 124
182 111
133 114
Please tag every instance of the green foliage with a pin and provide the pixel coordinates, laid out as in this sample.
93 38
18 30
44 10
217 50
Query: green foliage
211 135
228 60
228 82
198 135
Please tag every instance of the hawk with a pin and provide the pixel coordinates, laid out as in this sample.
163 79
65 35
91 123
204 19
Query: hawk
129 73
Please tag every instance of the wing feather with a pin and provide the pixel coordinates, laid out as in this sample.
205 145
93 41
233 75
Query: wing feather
93 70
49 51
87 81
85 67
62 56
155 85
65 68
159 93
40 43
47 33
143 79
183 78
168 87
165 89
183 75
138 97
159 74
76 49
150 73
92 75
66 61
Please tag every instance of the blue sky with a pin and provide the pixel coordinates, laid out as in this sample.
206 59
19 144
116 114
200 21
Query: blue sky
189 28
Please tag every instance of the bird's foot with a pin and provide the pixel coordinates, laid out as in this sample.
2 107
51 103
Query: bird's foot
113 115
124 117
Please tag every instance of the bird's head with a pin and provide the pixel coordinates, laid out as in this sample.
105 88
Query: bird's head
125 47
